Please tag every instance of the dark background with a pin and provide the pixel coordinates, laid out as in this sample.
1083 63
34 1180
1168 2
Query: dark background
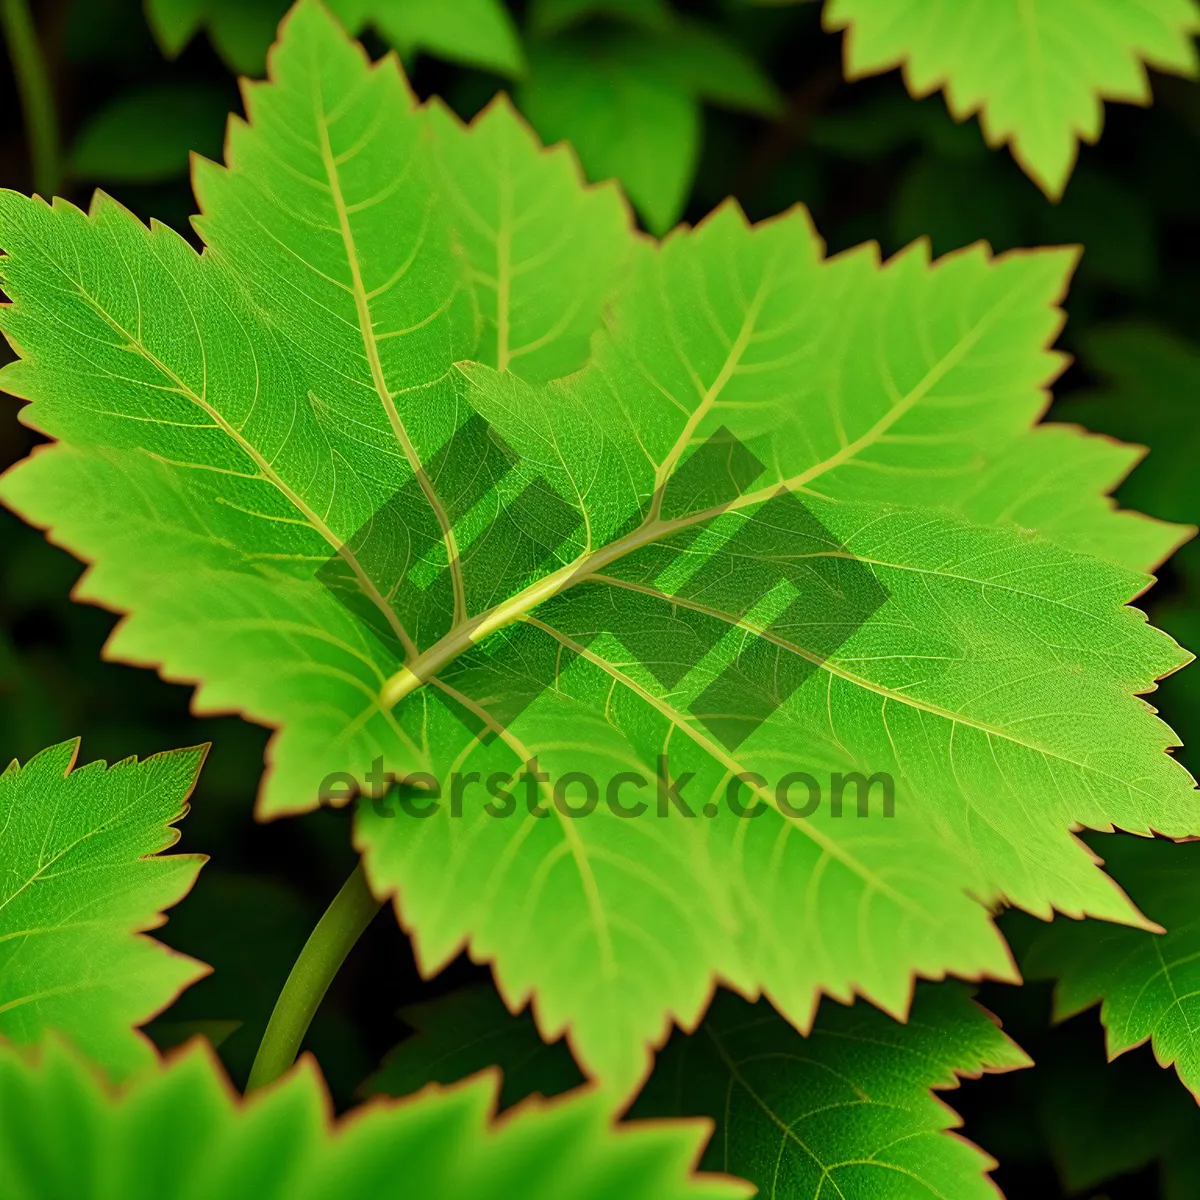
870 163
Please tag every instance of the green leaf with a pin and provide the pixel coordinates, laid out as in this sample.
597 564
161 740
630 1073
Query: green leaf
256 414
848 1107
476 32
539 297
1148 984
1147 378
1055 481
479 33
629 102
82 878
1035 74
240 30
1104 1119
624 123
466 1032
146 135
845 1111
182 1132
712 67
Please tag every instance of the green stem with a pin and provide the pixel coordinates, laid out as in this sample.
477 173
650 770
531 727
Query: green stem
37 101
324 952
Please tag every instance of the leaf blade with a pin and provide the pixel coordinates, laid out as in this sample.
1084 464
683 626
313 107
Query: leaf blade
1068 56
795 1115
283 1142
75 959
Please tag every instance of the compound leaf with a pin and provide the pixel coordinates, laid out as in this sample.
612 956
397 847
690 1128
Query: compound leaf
710 553
1035 73
81 878
182 1134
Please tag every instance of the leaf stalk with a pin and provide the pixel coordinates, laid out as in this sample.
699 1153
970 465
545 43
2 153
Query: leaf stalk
343 923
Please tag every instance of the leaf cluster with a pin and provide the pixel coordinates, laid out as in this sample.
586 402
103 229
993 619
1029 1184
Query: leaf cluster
414 450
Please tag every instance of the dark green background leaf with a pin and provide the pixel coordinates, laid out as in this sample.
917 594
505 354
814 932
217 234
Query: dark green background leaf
147 135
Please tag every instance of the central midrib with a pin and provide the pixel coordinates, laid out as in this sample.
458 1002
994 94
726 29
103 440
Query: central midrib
366 325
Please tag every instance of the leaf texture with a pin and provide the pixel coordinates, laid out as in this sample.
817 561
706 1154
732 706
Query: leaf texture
845 1111
82 877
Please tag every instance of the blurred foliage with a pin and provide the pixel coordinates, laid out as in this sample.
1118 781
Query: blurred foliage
143 135
477 32
687 104
629 100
